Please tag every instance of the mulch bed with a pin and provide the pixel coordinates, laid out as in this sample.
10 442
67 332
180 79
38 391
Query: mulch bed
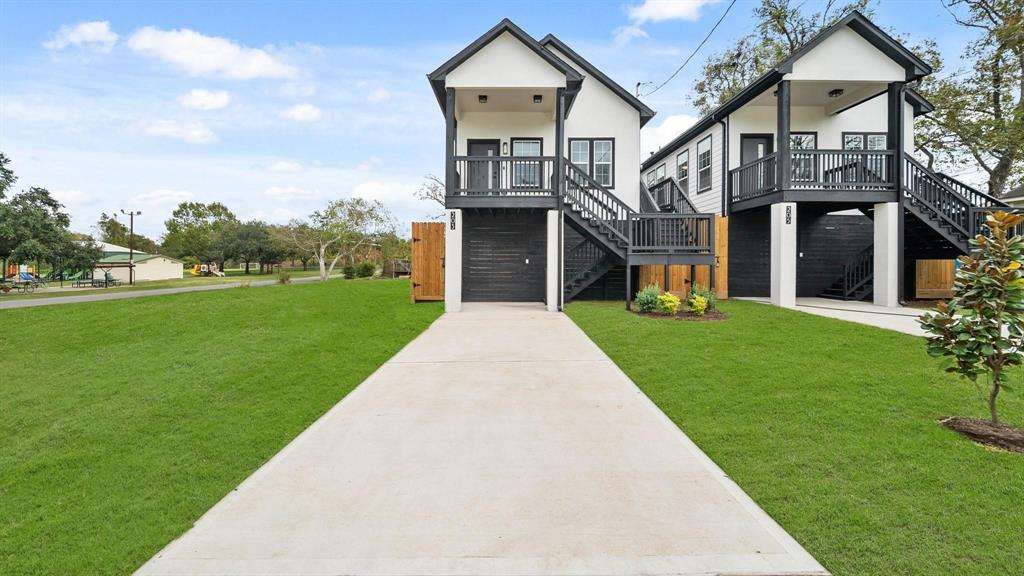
713 316
987 433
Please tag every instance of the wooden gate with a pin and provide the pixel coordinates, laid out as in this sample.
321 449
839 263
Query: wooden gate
427 261
679 275
935 279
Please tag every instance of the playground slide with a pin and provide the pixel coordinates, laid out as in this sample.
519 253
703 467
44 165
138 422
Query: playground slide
218 273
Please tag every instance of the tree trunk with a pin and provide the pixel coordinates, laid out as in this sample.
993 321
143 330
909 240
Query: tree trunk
1000 174
997 383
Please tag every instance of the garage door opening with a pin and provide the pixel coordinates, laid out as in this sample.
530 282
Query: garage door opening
504 255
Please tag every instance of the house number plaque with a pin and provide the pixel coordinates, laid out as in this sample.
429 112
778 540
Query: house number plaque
451 219
789 216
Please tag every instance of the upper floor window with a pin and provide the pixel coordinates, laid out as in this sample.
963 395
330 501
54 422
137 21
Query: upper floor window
596 157
704 165
803 165
683 170
526 174
864 141
659 173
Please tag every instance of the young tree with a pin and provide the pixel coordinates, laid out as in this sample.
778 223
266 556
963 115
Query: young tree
979 109
982 327
782 28
340 230
432 189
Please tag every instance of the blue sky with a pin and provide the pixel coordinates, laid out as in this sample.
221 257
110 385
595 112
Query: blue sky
274 108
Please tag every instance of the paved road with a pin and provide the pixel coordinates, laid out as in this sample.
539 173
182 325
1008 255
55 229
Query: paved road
96 297
501 441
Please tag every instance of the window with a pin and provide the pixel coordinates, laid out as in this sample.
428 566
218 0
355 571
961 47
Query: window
864 141
526 174
650 178
683 170
659 173
803 167
595 157
704 165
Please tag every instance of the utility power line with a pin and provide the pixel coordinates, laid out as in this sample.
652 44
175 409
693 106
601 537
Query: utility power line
692 54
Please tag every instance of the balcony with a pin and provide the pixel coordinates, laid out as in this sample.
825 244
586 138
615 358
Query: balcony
503 181
837 176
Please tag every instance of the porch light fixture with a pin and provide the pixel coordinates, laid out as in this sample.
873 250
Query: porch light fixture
835 93
482 98
537 98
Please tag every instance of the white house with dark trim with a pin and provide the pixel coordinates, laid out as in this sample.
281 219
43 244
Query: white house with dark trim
547 198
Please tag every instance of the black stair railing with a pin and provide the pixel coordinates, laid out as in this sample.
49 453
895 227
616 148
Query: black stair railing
595 203
974 196
858 272
668 194
928 191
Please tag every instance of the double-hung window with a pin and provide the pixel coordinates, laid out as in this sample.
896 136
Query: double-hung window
595 157
526 173
683 170
804 165
864 141
704 165
868 167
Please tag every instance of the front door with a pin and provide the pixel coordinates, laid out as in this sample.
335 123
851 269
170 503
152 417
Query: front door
483 174
755 146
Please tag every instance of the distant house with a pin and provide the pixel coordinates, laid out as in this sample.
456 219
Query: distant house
147 266
1015 197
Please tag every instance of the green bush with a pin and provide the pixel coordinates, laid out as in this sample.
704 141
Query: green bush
668 303
698 304
283 277
349 271
366 269
647 299
705 293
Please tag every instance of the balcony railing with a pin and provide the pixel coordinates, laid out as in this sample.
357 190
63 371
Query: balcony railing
504 176
824 170
666 233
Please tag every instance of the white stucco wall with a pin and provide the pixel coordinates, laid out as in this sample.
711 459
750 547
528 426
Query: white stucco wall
504 126
505 62
845 55
598 112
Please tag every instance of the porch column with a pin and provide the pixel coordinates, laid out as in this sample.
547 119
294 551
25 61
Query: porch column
559 178
449 141
896 141
453 261
887 254
782 156
553 294
783 261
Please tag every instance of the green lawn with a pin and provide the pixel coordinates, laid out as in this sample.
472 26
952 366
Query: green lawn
831 427
122 422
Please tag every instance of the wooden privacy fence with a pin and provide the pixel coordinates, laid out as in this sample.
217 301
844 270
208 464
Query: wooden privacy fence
427 274
934 279
679 276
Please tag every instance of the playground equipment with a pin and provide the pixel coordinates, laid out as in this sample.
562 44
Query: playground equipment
206 270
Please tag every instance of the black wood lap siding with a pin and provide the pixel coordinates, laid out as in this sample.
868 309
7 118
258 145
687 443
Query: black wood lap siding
496 248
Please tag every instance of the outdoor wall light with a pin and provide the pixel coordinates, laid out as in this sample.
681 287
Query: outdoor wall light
504 148
482 98
836 93
537 98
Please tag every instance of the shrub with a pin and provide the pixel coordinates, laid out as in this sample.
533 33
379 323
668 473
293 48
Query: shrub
647 299
698 304
668 303
349 271
707 294
982 327
366 270
284 277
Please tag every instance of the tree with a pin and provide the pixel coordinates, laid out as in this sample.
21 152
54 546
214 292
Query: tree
432 189
32 225
7 177
782 28
982 327
193 229
109 230
249 242
979 109
341 229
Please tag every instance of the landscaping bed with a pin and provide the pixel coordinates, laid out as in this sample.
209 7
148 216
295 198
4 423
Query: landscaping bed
710 316
986 433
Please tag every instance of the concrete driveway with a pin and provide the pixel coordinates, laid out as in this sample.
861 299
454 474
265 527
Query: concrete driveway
501 441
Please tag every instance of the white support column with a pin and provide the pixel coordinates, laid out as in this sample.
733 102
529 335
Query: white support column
453 261
552 292
783 239
887 256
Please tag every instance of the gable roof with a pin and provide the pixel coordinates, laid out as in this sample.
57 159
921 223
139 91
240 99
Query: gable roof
914 66
646 113
573 79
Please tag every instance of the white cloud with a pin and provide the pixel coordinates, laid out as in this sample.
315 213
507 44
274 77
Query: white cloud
658 11
290 193
304 112
285 166
191 132
96 35
379 95
67 197
662 10
654 137
201 55
200 99
387 192
297 89
161 198
370 163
